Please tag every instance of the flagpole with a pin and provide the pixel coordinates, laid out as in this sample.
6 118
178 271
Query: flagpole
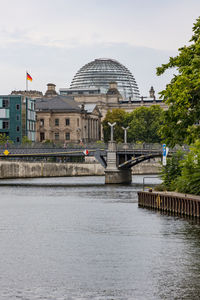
26 82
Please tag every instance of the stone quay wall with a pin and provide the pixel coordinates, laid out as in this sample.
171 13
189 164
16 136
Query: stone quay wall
43 169
21 169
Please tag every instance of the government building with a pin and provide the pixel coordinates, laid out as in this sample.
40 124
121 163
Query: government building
108 84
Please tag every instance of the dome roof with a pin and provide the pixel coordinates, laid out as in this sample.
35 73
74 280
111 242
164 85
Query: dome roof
100 72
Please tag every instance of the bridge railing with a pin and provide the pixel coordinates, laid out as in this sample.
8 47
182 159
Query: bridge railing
146 146
139 146
55 146
97 145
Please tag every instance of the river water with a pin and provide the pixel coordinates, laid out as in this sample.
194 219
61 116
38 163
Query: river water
76 238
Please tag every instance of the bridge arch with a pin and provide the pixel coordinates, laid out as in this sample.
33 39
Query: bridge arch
137 160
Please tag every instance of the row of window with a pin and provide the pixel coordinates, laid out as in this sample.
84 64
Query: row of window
5 104
31 115
31 105
31 126
56 136
67 136
6 125
67 122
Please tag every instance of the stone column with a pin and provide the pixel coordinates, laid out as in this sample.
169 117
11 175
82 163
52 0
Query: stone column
112 174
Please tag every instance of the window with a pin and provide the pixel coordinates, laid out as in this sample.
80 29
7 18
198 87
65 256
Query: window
18 107
67 122
5 103
17 128
56 122
78 122
18 139
5 124
17 117
67 136
42 122
42 136
56 136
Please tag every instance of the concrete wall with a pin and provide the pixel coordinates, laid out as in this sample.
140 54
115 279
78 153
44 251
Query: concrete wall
43 169
147 168
40 169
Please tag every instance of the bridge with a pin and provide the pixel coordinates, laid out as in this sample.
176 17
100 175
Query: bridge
116 159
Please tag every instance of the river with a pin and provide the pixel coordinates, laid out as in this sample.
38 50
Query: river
76 238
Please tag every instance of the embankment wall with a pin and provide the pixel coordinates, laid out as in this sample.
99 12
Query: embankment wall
45 169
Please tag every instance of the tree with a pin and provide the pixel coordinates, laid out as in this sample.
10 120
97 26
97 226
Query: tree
189 180
171 171
26 141
116 115
4 139
144 124
182 94
182 172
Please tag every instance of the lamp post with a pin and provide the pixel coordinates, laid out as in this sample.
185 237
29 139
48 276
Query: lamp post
112 131
125 134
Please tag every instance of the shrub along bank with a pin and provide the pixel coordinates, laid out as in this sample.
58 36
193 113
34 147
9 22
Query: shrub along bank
182 172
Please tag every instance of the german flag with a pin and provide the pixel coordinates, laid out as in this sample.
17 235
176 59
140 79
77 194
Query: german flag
28 77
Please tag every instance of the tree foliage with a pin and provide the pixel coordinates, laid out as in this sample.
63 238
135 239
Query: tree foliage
182 172
143 122
189 181
171 171
116 115
26 141
182 94
4 139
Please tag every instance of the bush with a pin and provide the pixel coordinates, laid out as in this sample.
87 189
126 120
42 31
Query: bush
189 181
172 171
182 172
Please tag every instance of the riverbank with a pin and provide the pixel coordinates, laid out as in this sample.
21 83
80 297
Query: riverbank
17 169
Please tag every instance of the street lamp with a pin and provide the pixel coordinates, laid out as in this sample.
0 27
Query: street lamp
125 134
112 131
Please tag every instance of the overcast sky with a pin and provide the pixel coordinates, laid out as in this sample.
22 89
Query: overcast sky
52 39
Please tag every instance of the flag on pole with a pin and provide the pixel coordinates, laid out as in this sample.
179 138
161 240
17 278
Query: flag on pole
28 76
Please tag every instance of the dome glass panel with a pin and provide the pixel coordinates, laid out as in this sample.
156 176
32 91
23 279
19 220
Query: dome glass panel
100 72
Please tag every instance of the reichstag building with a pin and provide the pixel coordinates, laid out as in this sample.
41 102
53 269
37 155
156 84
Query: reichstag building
108 84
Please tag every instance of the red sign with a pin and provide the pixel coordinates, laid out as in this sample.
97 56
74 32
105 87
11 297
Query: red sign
86 152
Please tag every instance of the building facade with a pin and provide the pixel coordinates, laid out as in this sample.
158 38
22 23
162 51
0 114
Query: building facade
109 85
112 99
17 117
61 120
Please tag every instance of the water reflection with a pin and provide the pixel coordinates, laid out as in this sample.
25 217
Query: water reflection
74 240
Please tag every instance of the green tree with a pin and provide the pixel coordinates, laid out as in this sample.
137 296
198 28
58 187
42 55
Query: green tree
144 123
116 115
26 141
171 171
182 94
189 179
4 139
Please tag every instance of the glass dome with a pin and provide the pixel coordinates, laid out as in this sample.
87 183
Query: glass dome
100 72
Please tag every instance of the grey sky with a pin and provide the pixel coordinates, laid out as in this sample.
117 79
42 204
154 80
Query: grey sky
52 39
